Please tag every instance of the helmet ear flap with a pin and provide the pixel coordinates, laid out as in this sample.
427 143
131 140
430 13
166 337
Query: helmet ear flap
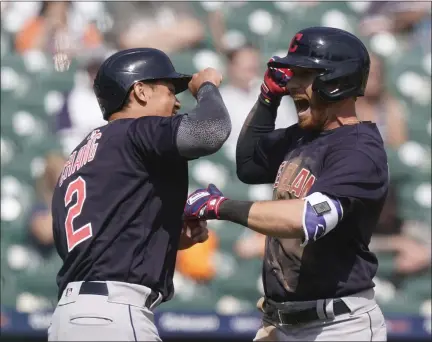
339 83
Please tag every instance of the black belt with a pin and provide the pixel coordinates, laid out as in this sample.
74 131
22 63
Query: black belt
304 316
101 289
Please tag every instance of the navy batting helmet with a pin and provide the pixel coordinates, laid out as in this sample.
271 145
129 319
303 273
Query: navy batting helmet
341 58
120 71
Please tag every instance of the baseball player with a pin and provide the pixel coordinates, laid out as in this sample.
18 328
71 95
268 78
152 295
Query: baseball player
118 205
330 179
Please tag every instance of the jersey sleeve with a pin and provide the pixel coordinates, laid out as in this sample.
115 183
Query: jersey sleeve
155 136
259 156
352 176
271 149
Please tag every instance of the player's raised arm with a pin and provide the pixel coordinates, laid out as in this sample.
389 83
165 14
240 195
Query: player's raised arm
258 136
204 129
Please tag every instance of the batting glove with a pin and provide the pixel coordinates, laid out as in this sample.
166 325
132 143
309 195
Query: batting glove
203 204
273 87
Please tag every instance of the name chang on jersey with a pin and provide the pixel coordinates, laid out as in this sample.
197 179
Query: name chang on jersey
78 159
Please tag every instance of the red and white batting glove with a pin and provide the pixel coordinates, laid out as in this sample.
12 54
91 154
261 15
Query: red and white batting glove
273 87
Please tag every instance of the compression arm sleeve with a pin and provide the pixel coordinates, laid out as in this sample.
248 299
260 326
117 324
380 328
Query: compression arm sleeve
204 130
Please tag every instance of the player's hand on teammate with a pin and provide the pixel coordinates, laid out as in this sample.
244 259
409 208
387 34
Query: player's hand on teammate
203 204
194 231
206 75
273 87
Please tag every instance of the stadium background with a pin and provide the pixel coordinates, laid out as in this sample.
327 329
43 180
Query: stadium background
49 53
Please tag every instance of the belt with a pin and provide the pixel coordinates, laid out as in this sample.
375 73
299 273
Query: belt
101 289
304 316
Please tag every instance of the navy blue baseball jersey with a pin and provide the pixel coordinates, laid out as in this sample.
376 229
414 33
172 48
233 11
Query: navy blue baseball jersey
348 163
115 214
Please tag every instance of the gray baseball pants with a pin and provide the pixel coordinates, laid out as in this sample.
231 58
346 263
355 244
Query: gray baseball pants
122 315
365 322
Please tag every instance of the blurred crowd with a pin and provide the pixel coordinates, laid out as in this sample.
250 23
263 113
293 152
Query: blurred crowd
237 38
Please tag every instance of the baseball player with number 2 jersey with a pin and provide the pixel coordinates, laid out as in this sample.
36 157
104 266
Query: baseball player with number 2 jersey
118 206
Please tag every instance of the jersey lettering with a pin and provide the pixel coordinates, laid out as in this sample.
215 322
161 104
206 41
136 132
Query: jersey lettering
75 236
299 181
287 170
78 161
64 172
278 176
291 181
93 147
85 154
86 150
71 163
307 186
288 174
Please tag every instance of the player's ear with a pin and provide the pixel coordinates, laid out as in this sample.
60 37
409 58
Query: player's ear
177 104
141 92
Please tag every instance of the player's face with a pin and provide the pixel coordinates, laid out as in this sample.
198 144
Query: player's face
309 107
162 100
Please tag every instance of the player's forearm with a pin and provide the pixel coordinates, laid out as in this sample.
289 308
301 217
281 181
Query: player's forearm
204 130
260 122
281 219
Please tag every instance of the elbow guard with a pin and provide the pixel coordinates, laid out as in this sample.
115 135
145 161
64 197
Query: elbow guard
321 214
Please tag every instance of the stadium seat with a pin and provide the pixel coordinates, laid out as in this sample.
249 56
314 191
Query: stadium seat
242 283
418 128
385 265
6 43
414 196
40 277
14 61
8 293
418 286
59 81
15 232
403 303
8 149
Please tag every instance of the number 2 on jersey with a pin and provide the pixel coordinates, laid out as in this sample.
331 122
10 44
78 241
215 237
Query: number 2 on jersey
75 236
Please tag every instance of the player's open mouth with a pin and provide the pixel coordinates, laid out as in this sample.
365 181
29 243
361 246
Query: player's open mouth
302 105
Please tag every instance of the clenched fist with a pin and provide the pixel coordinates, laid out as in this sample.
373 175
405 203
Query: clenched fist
193 232
206 75
273 87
